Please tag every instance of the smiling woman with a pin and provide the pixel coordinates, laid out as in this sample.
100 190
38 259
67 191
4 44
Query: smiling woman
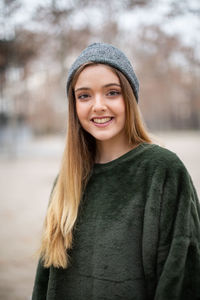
123 221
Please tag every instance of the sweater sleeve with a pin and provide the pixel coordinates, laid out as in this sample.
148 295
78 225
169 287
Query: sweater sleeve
42 273
178 252
41 282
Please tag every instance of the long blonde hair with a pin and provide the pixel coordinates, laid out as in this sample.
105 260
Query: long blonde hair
77 162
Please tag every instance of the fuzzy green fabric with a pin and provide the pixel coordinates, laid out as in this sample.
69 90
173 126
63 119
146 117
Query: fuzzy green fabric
137 236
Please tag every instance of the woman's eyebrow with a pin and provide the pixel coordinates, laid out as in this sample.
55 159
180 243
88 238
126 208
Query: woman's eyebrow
82 88
106 85
111 84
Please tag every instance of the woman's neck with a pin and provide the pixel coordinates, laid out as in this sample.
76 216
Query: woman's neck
110 150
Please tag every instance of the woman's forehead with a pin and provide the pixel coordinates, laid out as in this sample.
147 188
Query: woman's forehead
103 74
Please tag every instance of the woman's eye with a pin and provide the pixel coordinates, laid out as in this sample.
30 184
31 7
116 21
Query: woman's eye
113 93
83 96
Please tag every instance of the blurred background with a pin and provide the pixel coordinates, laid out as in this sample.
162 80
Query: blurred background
38 42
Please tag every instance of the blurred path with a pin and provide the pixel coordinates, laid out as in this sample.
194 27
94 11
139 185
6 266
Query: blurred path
26 182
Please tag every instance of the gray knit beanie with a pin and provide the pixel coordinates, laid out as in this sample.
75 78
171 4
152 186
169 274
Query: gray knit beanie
109 55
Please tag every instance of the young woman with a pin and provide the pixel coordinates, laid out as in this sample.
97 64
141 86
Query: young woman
123 221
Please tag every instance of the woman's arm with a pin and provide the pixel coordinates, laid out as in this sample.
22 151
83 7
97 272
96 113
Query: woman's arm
41 282
171 232
178 258
42 273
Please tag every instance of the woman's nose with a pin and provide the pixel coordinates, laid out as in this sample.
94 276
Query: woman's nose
99 103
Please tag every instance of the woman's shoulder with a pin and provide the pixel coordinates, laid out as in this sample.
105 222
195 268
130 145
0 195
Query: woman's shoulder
160 156
162 152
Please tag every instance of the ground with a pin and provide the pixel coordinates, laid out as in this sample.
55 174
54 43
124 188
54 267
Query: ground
25 180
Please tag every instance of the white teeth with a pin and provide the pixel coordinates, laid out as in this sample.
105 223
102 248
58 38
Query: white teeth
101 121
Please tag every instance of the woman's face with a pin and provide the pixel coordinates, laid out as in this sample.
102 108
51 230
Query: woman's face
99 103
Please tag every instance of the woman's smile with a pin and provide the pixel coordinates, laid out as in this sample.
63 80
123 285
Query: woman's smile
102 122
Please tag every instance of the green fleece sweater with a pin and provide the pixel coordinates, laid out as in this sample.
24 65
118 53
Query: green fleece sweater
137 236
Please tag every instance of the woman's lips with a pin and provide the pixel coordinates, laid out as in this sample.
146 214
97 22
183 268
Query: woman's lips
105 124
